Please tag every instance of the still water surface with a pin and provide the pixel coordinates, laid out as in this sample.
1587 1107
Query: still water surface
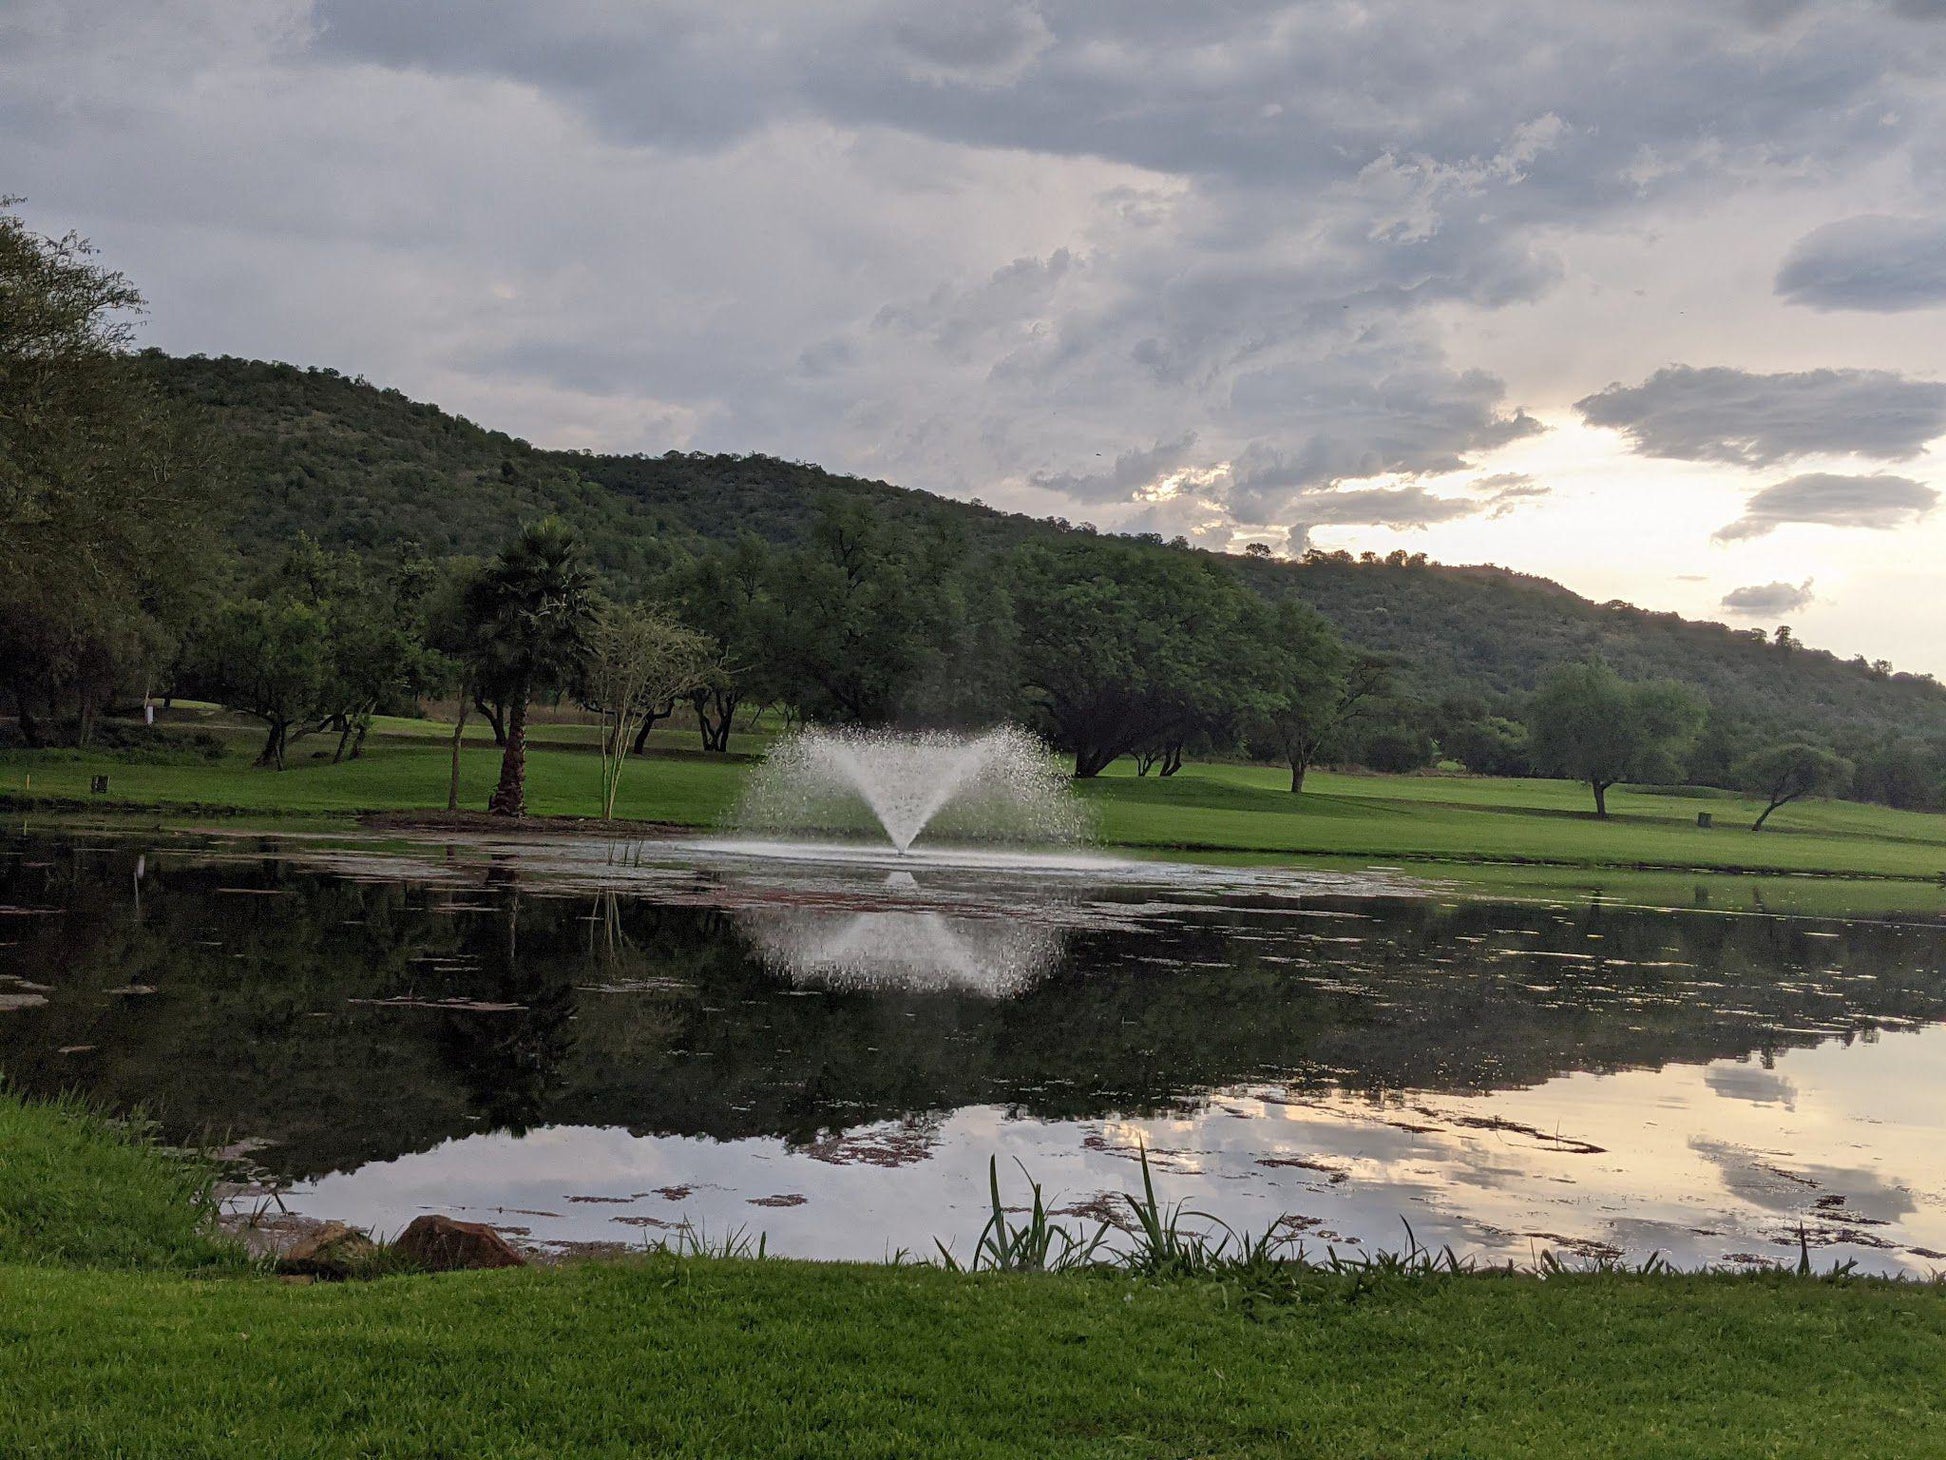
597 1043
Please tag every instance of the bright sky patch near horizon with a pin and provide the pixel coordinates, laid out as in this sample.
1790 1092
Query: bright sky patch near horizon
1645 298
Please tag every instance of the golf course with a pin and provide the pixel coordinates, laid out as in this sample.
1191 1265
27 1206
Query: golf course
1205 809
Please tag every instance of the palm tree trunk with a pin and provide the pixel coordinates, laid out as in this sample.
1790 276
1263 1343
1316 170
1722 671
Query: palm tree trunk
510 796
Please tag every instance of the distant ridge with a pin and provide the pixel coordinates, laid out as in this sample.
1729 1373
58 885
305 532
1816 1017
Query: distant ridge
362 467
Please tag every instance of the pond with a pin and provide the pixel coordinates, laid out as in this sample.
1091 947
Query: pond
590 1043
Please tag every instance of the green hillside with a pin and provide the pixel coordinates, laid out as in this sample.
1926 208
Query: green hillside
365 468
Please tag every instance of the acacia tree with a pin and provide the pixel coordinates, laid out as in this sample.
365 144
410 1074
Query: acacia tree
529 612
636 659
271 659
851 614
320 645
1318 688
376 655
1589 724
1782 774
725 595
1123 648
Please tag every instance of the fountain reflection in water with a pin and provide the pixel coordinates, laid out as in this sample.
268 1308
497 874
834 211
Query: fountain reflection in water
913 947
1001 785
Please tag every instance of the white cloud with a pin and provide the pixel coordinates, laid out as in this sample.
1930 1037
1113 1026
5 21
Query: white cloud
1768 600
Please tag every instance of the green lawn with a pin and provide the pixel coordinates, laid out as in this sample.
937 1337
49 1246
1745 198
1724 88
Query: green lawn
1250 808
1208 808
157 1349
703 1357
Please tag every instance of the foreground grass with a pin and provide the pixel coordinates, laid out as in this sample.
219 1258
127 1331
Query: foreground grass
706 1357
1208 808
697 1356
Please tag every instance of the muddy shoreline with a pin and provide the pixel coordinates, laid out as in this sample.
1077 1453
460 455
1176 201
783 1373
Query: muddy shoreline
518 826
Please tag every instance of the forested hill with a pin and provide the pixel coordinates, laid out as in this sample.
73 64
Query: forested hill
365 468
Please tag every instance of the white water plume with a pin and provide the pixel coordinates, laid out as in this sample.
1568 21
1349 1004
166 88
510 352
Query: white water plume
912 950
998 786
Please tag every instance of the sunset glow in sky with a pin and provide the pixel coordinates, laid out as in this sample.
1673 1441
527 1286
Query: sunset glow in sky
1647 298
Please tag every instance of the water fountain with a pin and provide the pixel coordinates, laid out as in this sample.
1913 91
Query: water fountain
998 786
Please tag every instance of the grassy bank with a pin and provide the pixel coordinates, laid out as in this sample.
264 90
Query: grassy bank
79 1188
698 1356
1208 808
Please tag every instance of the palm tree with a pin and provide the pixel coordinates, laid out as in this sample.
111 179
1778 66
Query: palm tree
529 612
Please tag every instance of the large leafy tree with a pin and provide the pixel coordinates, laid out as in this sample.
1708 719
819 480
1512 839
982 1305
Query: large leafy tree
1318 688
530 611
108 489
726 594
1589 724
853 614
320 644
271 659
1121 647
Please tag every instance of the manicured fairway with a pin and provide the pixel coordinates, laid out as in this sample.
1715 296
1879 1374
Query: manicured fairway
1208 808
1481 819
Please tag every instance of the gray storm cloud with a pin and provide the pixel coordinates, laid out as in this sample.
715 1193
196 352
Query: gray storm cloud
1871 263
1002 248
1382 507
1749 419
1130 471
1820 498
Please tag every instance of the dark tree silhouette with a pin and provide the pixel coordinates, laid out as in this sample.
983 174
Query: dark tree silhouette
530 612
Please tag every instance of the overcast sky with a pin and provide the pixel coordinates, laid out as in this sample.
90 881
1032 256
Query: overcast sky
1648 297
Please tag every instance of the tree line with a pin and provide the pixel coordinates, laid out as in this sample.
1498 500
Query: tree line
1113 652
117 578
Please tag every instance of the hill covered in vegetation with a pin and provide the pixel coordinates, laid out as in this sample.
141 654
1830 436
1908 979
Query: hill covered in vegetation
365 468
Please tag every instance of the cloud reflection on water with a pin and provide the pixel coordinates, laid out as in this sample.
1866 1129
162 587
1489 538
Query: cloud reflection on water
1647 1160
